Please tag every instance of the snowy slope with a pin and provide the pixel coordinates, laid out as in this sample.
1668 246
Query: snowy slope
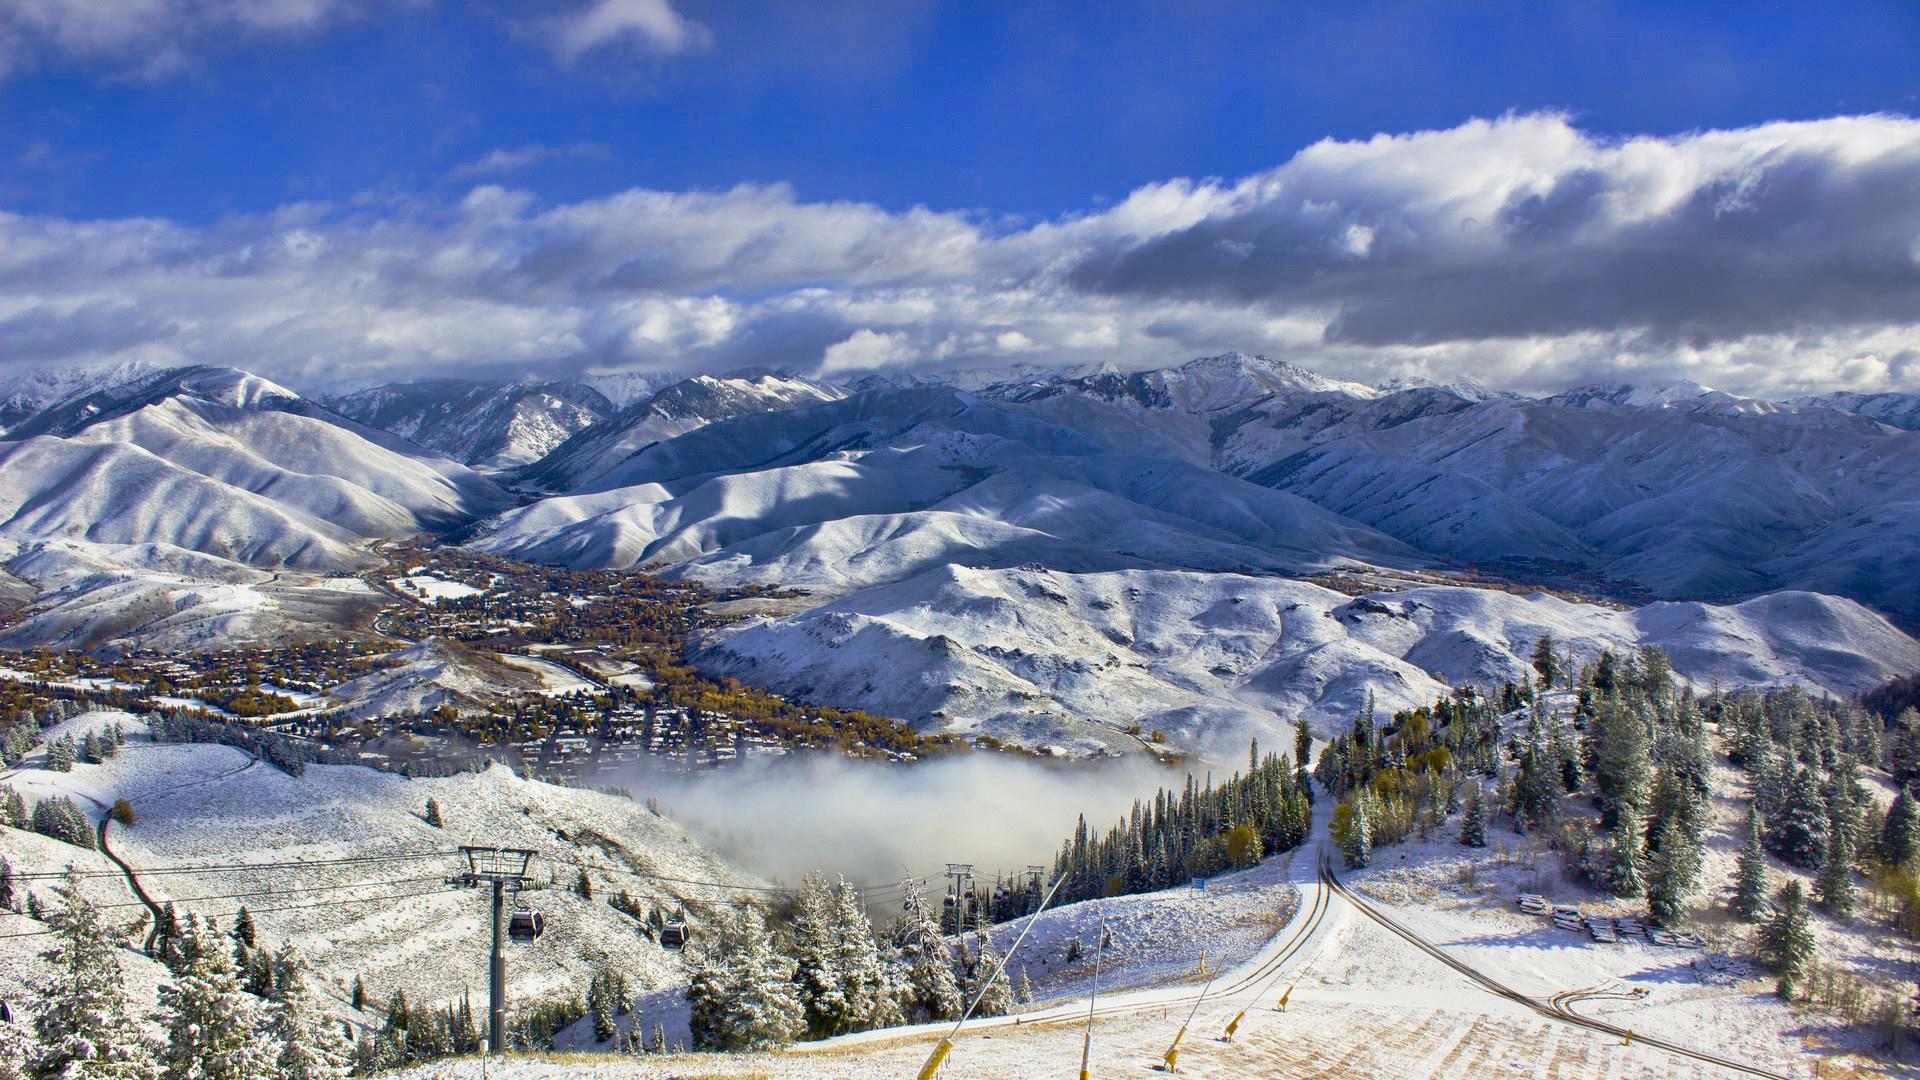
888 483
583 460
395 923
26 393
494 426
93 595
1040 656
225 463
433 673
1896 409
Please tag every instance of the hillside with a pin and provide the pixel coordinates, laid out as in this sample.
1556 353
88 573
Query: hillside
372 899
1043 657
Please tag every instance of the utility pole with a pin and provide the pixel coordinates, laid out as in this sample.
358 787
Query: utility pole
962 875
503 868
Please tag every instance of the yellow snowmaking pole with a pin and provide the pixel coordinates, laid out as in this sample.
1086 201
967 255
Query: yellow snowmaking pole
1173 1052
934 1059
945 1046
1281 1005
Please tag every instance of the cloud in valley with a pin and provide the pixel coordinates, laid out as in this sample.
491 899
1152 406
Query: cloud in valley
1521 251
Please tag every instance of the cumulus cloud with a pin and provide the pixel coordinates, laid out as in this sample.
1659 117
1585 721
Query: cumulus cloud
651 24
1522 252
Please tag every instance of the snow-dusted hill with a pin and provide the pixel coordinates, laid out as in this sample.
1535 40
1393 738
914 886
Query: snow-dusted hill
493 426
1897 410
889 483
228 464
585 459
101 596
433 673
1668 487
1042 657
394 923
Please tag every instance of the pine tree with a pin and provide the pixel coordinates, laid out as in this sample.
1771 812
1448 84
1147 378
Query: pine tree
1674 871
1545 662
6 884
16 1052
13 809
83 1026
987 980
359 992
1834 885
210 1019
1900 833
1750 876
742 997
821 984
1357 842
1302 743
1786 939
604 1004
869 990
301 1038
433 813
1023 988
1623 853
61 754
1473 824
243 928
583 885
931 991
659 1044
1799 831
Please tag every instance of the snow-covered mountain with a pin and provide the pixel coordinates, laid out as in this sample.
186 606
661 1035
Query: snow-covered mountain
490 425
1899 410
1042 657
228 464
584 459
886 484
26 393
1669 489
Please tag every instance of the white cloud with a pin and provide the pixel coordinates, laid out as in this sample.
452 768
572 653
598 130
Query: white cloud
1520 252
506 159
150 38
652 24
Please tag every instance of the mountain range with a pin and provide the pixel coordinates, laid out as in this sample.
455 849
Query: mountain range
906 505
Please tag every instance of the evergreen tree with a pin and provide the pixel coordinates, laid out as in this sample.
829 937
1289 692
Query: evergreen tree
1799 831
583 885
13 809
821 984
301 1038
1545 662
1786 940
1674 871
359 993
1623 853
433 813
1750 876
1834 885
243 928
16 1052
606 1000
6 884
742 996
987 980
870 995
1302 743
1023 988
1473 825
1622 767
1900 833
1356 843
83 1026
931 992
210 1019
61 754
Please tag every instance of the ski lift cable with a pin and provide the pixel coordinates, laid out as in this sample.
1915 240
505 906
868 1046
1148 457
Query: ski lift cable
238 868
284 907
248 895
945 1045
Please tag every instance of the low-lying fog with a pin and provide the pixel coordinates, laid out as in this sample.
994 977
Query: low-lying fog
872 823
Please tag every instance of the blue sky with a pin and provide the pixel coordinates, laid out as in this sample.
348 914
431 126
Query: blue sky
348 120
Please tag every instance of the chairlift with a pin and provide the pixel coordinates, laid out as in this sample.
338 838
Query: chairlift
674 934
526 925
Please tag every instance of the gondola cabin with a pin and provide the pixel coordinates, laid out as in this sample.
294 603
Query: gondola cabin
674 934
526 925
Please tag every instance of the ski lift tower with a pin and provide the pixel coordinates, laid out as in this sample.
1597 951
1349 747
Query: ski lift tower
503 868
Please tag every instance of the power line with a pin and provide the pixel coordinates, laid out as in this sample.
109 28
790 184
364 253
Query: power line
248 895
241 868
